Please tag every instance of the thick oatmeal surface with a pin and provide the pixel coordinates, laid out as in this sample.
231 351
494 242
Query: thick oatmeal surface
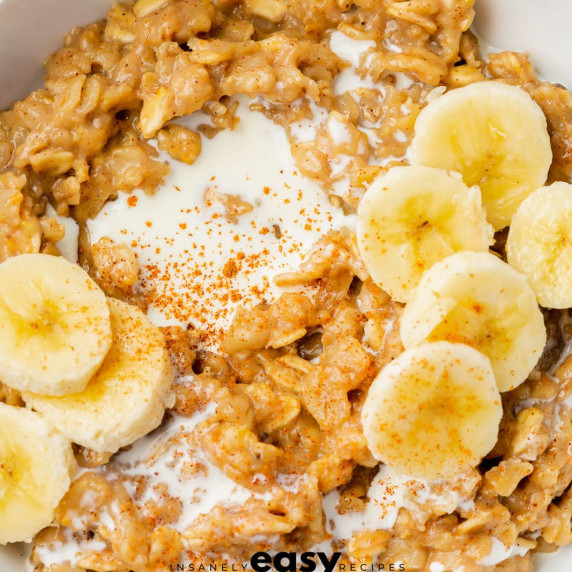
269 423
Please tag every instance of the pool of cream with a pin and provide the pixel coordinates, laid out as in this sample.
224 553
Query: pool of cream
197 263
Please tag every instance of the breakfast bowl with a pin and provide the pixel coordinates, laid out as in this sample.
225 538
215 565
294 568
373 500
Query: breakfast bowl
284 285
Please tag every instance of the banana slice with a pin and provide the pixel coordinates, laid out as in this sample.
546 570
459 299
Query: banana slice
494 135
434 411
412 217
540 244
479 300
54 325
36 464
127 396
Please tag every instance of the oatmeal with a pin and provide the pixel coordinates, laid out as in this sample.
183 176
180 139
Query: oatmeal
281 332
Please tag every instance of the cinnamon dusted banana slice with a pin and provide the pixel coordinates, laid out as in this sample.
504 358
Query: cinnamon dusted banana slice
479 300
410 218
540 244
36 463
434 411
54 325
127 396
494 135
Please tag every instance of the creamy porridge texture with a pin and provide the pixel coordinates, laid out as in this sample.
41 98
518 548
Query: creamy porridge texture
321 293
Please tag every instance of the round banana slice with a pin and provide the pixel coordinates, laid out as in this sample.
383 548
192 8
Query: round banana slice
127 396
434 411
54 325
410 218
479 300
540 244
495 135
36 463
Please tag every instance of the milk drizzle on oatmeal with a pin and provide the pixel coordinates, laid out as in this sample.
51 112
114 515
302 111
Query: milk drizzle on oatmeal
351 50
167 458
68 245
68 551
500 552
188 251
354 52
388 493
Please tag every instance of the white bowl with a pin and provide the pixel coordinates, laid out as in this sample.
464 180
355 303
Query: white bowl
539 27
32 29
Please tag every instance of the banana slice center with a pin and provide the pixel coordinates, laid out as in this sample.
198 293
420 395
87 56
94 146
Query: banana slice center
480 165
471 324
425 227
45 320
45 317
16 470
6 471
560 250
440 403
